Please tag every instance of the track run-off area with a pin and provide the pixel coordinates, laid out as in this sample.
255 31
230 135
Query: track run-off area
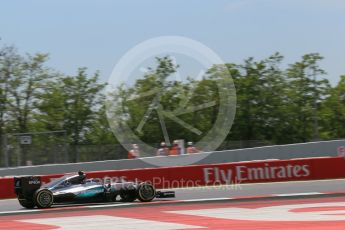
282 205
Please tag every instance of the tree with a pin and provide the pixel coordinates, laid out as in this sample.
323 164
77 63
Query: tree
24 86
72 103
333 112
145 100
157 109
304 96
275 105
9 65
21 79
260 88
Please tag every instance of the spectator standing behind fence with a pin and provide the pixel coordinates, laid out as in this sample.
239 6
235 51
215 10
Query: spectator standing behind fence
134 153
175 149
163 150
191 149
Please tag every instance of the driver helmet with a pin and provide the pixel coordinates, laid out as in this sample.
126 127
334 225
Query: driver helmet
82 175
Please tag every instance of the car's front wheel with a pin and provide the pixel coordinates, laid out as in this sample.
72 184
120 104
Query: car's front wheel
44 198
146 192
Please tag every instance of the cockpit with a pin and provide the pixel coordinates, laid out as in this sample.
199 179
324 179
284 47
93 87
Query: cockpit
67 181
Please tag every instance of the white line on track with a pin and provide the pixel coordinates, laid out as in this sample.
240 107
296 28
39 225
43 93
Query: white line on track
108 223
207 199
250 184
21 211
296 181
188 200
8 199
111 205
299 194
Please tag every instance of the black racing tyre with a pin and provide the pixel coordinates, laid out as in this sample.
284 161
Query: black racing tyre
109 196
146 192
44 198
29 204
128 195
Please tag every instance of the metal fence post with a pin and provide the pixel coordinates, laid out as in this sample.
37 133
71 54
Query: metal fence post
77 157
5 150
66 147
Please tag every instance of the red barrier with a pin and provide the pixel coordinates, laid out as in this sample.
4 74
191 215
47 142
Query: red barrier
6 188
215 174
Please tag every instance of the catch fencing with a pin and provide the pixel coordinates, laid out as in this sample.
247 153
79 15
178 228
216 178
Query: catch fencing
54 149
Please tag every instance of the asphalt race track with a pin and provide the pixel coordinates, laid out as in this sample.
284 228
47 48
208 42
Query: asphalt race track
285 205
302 188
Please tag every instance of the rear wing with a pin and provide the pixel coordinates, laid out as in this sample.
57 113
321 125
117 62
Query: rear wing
26 186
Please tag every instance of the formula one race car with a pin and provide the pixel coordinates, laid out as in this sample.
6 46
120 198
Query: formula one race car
75 188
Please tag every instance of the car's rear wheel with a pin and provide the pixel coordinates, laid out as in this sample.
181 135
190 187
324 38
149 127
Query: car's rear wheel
30 204
146 192
44 198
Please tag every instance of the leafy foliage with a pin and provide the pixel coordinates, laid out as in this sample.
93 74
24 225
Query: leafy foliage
273 104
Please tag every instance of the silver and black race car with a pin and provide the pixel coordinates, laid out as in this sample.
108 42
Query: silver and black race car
75 188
